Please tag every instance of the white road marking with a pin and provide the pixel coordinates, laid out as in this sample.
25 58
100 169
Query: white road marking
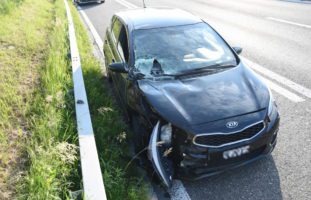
127 4
285 81
178 191
95 34
291 96
288 22
298 1
93 185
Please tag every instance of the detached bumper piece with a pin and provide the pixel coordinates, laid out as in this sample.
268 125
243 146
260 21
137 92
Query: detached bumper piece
156 153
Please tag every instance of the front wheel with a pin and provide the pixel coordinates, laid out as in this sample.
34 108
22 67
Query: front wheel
108 75
139 133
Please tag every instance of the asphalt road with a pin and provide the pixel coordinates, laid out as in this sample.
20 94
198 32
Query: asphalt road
275 35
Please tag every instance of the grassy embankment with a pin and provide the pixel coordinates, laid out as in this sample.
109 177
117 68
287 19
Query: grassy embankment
37 129
110 131
7 5
38 152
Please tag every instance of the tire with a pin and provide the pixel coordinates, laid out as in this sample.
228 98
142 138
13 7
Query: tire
108 75
139 133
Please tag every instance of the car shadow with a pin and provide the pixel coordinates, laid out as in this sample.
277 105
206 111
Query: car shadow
259 180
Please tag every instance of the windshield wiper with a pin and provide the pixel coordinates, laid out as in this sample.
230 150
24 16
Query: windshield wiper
222 66
207 69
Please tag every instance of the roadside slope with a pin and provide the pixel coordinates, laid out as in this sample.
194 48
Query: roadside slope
111 133
37 130
38 151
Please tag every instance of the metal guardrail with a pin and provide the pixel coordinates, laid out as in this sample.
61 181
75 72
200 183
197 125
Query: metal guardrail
93 185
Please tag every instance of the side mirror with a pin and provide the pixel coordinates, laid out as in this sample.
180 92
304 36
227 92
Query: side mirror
117 67
237 50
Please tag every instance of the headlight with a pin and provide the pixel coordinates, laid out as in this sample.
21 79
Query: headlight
272 104
166 133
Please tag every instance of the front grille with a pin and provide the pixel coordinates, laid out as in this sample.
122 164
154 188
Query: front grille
223 139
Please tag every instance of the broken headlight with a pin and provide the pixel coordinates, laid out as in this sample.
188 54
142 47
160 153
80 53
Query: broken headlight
166 133
272 104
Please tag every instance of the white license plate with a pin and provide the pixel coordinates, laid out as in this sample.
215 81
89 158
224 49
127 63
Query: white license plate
233 153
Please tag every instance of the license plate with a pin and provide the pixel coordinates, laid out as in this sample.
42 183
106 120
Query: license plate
233 153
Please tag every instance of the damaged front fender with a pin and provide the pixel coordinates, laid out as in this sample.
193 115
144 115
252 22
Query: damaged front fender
160 161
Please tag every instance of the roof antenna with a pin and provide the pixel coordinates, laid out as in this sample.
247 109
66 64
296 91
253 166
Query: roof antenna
144 4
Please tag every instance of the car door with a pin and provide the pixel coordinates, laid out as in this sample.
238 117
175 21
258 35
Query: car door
116 50
110 46
123 49
110 50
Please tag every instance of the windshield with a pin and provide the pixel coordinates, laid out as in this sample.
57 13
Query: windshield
180 48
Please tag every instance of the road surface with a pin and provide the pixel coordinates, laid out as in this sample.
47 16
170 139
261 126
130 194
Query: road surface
276 40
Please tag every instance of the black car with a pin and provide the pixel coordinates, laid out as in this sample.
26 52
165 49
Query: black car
191 101
88 1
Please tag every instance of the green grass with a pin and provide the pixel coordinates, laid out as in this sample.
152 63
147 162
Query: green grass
38 151
52 151
37 127
7 5
111 132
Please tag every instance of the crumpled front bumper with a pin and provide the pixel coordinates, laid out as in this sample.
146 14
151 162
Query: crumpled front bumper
199 162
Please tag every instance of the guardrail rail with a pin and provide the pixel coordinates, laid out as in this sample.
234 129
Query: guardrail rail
93 185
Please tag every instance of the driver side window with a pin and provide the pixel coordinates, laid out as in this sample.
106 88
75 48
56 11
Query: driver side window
120 37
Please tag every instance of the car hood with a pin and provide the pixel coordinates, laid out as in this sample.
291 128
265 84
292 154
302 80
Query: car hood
197 100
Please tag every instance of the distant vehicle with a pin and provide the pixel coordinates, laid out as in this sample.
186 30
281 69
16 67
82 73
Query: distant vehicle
191 100
88 1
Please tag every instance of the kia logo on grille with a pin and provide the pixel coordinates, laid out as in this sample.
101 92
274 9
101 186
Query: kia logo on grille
232 124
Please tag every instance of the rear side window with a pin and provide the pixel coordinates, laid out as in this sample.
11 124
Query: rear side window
116 28
120 36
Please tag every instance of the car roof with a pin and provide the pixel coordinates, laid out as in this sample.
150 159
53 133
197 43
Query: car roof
147 18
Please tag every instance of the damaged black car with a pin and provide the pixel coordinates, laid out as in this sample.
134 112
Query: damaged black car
194 106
